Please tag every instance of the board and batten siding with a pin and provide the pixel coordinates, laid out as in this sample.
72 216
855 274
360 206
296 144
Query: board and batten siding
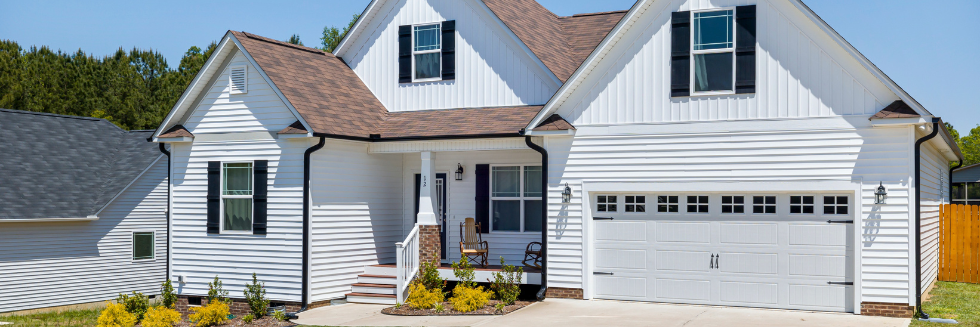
461 199
48 264
239 128
801 72
934 186
491 68
356 214
812 149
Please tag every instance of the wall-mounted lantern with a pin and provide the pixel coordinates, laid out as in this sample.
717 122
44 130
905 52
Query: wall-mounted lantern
880 194
459 172
566 195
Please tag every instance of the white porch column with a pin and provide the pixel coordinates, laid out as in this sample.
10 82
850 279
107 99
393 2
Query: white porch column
427 196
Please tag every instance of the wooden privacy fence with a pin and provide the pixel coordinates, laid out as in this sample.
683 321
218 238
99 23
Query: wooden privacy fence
959 243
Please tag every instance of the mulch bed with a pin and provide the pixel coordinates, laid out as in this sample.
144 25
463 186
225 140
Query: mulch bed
266 321
490 309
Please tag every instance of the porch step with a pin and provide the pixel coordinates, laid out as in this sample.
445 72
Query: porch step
389 270
383 289
377 279
371 298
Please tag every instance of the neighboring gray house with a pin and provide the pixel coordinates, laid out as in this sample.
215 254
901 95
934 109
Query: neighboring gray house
82 211
966 185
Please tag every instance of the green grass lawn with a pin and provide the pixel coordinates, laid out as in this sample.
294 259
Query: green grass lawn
52 319
949 300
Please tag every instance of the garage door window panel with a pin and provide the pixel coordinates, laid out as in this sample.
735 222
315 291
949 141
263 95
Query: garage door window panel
697 204
668 203
765 204
636 203
801 204
606 203
835 205
515 196
733 204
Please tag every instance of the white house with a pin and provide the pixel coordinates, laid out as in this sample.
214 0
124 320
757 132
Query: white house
724 152
83 211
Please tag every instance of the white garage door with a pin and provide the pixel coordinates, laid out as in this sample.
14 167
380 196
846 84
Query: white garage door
790 251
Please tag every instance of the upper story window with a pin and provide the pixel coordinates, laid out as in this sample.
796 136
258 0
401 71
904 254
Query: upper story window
713 51
236 196
427 52
515 198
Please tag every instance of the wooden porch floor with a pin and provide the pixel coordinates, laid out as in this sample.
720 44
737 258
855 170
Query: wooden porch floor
447 266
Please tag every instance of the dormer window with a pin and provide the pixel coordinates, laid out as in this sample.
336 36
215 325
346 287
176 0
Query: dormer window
427 52
713 51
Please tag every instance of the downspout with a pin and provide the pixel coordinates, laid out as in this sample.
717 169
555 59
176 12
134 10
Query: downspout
544 216
170 182
918 220
306 220
958 165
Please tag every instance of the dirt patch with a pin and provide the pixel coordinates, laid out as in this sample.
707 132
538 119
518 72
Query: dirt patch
266 321
489 310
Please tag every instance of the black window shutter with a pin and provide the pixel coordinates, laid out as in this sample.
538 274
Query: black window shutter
483 197
745 49
449 50
405 54
260 196
680 54
214 197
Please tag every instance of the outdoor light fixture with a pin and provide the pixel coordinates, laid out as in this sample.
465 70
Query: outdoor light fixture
566 195
880 194
459 172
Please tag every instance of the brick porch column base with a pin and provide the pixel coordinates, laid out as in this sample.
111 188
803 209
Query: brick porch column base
430 247
564 293
895 310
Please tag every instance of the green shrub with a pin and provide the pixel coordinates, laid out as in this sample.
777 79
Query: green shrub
160 317
419 297
440 308
255 296
464 273
216 292
213 314
115 315
167 296
248 319
506 283
429 276
466 299
280 315
136 304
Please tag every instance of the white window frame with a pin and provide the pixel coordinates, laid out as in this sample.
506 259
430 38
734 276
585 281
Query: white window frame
607 203
687 203
850 203
693 78
750 198
132 246
746 207
789 205
679 204
645 204
221 180
432 79
522 198
231 89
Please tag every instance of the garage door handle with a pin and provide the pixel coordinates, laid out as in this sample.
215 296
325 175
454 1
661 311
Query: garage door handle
602 218
602 273
840 283
711 262
840 221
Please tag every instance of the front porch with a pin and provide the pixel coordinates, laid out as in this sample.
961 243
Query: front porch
379 284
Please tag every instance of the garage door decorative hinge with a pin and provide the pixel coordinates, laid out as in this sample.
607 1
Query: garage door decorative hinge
840 283
602 273
840 221
602 218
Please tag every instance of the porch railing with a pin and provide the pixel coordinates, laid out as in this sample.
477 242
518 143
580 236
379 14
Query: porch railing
408 263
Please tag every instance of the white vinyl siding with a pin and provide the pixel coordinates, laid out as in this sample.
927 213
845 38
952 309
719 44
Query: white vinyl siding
934 186
63 263
356 214
491 69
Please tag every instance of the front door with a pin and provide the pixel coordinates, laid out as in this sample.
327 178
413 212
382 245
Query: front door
440 208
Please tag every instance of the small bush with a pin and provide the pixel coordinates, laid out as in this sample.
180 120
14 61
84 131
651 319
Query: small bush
464 272
440 308
136 304
248 319
161 317
429 276
419 297
167 296
115 315
500 306
216 292
213 314
466 299
506 283
280 315
255 296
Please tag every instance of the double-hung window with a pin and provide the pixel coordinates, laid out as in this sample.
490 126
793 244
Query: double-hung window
427 52
713 52
515 197
236 196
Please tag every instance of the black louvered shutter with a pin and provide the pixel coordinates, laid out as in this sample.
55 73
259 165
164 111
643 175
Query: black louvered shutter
745 49
260 196
449 50
405 54
483 197
680 54
214 197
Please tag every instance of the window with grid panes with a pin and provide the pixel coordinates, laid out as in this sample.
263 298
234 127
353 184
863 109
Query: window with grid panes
733 204
667 203
835 205
606 203
764 204
801 204
697 203
636 203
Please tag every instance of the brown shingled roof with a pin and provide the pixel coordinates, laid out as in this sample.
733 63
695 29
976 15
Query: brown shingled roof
561 43
458 122
898 109
554 123
322 88
294 128
177 131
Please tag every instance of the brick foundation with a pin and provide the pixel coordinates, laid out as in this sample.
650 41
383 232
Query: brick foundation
895 310
564 293
239 307
430 245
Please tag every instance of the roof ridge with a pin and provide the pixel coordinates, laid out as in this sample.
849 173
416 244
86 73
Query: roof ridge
284 44
595 13
27 112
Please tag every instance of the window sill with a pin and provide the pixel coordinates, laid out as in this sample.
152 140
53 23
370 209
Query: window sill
422 81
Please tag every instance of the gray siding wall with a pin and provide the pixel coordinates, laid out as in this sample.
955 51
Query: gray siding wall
62 263
967 175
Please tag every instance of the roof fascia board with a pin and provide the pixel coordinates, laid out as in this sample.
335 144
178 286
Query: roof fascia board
271 84
356 29
49 220
181 139
129 185
886 122
966 167
573 80
179 106
543 133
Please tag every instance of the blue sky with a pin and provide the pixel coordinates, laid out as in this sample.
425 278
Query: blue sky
930 48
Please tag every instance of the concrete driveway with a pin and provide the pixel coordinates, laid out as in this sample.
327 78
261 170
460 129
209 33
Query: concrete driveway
570 313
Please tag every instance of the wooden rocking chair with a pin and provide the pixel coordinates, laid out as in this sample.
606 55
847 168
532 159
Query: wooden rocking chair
471 245
532 255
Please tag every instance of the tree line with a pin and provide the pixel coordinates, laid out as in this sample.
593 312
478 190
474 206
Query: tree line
969 144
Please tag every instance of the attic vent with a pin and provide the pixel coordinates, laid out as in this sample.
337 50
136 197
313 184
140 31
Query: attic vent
239 80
